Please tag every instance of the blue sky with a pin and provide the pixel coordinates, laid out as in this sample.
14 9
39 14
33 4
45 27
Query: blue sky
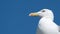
14 17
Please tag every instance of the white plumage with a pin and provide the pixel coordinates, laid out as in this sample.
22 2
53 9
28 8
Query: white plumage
46 24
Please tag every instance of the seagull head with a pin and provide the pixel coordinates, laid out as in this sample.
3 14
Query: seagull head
43 13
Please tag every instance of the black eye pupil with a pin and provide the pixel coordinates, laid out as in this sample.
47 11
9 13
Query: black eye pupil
43 11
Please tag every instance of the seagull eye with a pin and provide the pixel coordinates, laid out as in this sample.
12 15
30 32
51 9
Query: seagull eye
43 11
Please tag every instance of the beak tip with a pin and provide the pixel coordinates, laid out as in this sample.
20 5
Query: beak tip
29 14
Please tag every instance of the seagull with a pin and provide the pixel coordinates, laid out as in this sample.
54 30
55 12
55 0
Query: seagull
46 24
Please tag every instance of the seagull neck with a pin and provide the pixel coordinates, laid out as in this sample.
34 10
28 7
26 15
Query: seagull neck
48 17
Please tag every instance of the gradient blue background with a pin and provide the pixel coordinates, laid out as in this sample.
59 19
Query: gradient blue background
14 17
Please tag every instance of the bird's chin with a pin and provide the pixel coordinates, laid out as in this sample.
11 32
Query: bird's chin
40 16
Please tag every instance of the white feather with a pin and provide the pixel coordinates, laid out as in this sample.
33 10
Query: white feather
46 23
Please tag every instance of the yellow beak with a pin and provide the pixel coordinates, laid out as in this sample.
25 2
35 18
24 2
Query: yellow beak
33 14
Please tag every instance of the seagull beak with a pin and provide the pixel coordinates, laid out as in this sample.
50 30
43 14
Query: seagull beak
33 14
